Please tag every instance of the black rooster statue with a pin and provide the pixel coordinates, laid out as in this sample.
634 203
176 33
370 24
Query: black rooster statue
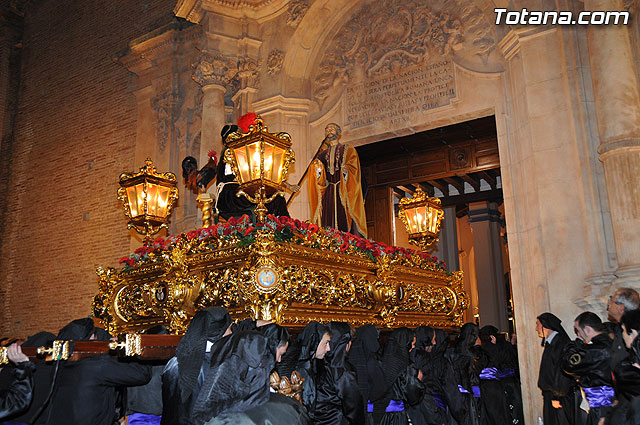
198 180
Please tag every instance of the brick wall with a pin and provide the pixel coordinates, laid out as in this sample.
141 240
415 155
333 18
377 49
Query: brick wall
74 134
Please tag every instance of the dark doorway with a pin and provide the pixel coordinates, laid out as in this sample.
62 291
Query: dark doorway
460 165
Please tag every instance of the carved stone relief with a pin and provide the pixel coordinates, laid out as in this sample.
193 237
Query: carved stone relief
297 10
214 69
247 75
233 72
275 61
386 36
164 104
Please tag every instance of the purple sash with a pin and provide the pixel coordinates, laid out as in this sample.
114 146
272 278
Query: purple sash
506 373
393 406
476 391
474 388
144 419
439 401
599 396
489 373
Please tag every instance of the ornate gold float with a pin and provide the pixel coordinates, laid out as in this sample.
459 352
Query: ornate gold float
277 269
282 270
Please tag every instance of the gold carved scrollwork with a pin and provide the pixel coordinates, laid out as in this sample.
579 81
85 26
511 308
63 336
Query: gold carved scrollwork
300 283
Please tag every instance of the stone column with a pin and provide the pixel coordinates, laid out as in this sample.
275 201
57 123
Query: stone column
248 80
213 73
617 102
484 219
449 239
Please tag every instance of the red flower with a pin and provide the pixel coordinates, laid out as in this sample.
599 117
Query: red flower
344 246
192 234
226 231
124 260
246 120
232 221
313 228
283 219
248 231
376 252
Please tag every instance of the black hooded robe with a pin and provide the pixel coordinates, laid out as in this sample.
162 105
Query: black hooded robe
501 401
553 382
339 401
403 388
442 396
17 397
184 374
301 358
85 391
464 357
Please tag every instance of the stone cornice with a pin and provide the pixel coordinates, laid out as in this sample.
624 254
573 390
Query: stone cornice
142 50
193 10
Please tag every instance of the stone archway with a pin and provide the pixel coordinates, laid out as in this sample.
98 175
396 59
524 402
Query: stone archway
535 81
559 240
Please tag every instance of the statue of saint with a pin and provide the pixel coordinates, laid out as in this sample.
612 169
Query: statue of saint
335 191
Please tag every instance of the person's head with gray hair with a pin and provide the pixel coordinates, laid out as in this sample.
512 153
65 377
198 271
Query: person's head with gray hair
332 132
623 300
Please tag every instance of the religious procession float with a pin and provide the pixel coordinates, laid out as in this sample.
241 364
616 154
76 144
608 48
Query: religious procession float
266 267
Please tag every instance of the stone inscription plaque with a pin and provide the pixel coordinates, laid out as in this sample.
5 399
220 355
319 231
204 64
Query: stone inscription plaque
392 98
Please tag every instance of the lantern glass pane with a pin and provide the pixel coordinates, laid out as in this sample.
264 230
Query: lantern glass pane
158 198
411 219
253 152
278 162
136 199
268 161
243 164
152 198
432 214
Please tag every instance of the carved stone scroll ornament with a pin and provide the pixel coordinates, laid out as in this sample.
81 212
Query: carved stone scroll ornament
274 62
387 36
247 75
214 69
297 10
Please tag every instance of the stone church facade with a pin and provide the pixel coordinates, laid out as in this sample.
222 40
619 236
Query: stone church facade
90 89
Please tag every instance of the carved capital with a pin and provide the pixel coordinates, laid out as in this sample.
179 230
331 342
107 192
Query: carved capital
214 69
247 75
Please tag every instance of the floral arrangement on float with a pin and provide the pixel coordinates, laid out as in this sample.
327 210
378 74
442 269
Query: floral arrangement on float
241 232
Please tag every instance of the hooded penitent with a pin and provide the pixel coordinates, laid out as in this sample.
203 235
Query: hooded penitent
82 330
338 399
551 321
364 357
238 376
210 325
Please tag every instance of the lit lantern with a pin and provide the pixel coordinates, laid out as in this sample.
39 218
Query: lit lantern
422 217
260 161
148 198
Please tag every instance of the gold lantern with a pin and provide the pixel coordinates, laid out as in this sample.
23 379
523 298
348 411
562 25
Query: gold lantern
148 198
422 217
260 161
